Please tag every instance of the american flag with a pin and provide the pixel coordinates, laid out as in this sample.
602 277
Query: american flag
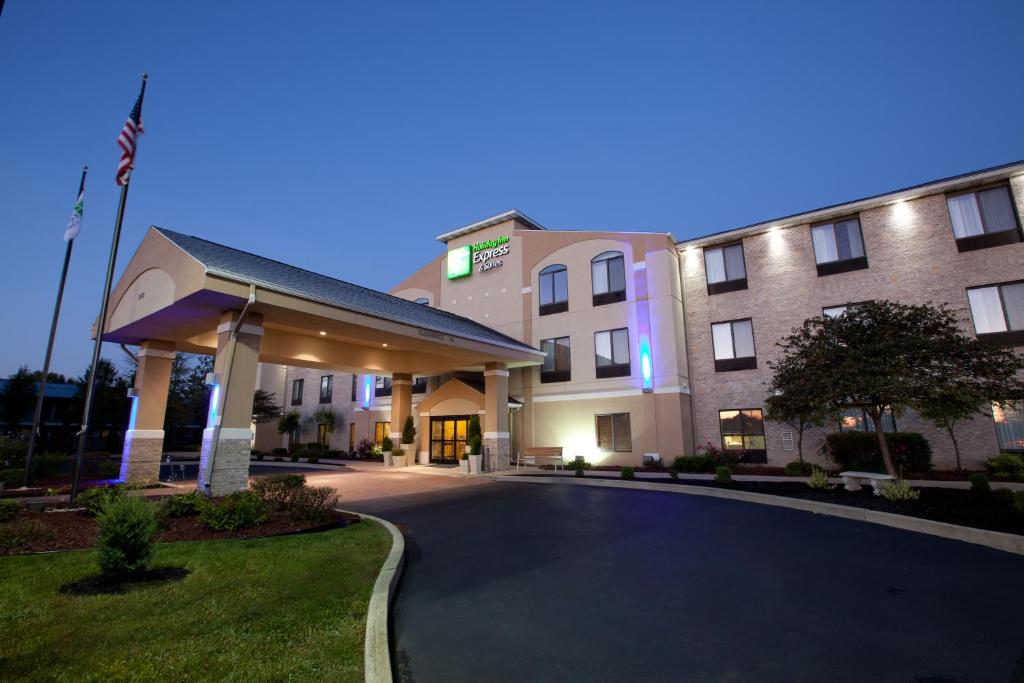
129 137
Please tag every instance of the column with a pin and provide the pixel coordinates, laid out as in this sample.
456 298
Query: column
497 444
225 469
144 440
401 407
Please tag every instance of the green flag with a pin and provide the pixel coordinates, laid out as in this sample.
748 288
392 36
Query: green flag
75 224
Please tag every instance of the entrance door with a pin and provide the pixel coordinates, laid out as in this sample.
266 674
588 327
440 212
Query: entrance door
448 438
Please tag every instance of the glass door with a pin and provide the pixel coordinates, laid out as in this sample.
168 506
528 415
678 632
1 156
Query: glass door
448 438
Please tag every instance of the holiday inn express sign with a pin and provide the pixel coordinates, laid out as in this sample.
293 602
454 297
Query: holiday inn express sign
482 256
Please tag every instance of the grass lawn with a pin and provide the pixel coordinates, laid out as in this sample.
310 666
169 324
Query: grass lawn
289 608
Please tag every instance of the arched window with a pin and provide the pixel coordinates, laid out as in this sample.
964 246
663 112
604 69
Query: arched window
608 273
553 285
422 300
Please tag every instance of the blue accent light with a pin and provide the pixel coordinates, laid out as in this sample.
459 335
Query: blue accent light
646 367
211 415
367 390
134 412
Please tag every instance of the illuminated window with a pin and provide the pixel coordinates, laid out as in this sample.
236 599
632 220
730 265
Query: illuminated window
983 218
297 392
557 361
733 343
553 286
857 420
998 312
613 433
611 351
725 268
608 273
838 246
834 311
326 388
743 431
1009 421
381 430
352 437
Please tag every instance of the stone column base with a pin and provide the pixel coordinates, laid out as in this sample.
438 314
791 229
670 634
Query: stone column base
229 472
143 451
497 453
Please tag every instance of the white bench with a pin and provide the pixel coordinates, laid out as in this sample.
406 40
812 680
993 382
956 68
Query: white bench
853 480
538 456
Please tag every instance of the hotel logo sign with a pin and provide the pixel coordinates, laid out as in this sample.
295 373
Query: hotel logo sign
481 256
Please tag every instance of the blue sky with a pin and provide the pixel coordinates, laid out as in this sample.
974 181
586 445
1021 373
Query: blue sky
343 136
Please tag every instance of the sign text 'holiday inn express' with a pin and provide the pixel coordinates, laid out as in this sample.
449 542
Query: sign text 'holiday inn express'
482 256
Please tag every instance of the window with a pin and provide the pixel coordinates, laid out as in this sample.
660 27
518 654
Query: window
998 312
838 246
297 392
613 433
326 388
382 386
419 385
423 301
323 434
743 431
556 366
608 273
381 430
354 380
833 311
1009 421
612 353
351 437
857 420
725 269
553 283
734 345
983 218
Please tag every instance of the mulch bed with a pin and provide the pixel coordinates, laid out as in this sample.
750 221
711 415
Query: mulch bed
76 530
953 506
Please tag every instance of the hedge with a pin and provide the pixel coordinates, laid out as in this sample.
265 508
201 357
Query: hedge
859 451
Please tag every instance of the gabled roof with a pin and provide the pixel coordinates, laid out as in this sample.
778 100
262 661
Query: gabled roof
224 261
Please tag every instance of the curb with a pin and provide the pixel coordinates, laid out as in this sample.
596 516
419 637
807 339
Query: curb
376 645
1011 543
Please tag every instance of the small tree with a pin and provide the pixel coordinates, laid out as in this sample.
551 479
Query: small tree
408 430
323 417
473 429
289 424
885 354
264 407
18 397
793 400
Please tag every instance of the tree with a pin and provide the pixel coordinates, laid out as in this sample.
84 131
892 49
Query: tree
110 404
264 406
188 398
408 430
18 397
793 399
885 354
289 424
323 417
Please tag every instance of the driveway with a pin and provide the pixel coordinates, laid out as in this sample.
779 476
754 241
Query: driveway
535 582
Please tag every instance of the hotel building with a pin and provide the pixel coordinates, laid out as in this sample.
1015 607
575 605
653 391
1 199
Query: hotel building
654 347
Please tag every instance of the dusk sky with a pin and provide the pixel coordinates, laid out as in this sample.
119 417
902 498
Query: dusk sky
342 137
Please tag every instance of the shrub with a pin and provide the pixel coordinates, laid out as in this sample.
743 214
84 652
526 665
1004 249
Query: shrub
12 452
578 465
364 448
386 446
259 456
673 473
1006 466
185 505
579 473
22 532
979 483
47 465
277 489
1003 497
9 509
11 477
240 510
333 454
693 463
126 529
475 445
859 451
723 475
279 452
312 459
799 468
95 499
295 456
899 491
819 480
312 503
627 473
1018 501
408 430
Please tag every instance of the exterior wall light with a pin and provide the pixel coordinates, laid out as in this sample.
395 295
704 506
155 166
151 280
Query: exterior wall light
646 366
323 333
367 390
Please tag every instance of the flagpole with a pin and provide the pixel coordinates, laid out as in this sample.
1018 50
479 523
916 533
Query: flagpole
36 418
83 434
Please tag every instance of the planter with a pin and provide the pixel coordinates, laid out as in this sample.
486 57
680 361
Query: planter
388 460
398 460
464 465
424 459
474 464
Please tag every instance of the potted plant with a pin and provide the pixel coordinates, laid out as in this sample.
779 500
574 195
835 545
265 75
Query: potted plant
398 457
464 461
475 447
386 447
409 440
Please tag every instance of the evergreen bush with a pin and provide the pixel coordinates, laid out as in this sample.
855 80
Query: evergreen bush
126 529
240 510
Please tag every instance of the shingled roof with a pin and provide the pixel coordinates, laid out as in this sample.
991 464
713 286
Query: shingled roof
234 263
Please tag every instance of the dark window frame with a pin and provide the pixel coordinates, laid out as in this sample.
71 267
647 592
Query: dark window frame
558 374
840 265
326 397
419 385
866 420
995 428
751 455
354 383
298 388
729 284
384 389
986 239
611 420
613 369
734 364
555 305
846 306
1007 338
611 296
